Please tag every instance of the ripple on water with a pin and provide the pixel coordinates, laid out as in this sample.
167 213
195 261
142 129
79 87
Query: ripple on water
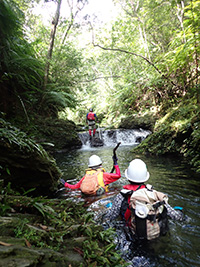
180 247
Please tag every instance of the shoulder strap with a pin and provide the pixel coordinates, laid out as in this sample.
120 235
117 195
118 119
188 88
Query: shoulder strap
139 187
149 187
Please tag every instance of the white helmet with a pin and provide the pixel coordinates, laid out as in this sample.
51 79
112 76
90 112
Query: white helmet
94 161
137 171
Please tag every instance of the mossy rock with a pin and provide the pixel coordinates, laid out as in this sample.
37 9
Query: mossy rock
18 255
62 134
145 121
178 132
24 163
8 224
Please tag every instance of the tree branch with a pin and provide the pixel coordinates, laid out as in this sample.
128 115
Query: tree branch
137 55
103 77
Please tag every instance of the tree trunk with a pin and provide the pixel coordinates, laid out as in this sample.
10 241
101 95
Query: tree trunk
51 44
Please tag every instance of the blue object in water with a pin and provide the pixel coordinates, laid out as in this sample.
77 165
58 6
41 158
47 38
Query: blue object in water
109 205
178 208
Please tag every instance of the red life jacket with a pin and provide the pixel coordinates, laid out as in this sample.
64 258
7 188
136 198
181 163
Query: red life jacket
91 116
127 211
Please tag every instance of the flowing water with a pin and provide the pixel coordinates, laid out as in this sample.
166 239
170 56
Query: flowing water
170 175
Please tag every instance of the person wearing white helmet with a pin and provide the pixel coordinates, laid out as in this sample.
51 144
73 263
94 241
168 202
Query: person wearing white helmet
96 179
137 171
133 206
94 161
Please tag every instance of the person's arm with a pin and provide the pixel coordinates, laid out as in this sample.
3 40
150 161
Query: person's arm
74 186
173 214
87 118
111 177
95 117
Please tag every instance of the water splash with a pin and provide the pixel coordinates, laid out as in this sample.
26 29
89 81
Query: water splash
111 137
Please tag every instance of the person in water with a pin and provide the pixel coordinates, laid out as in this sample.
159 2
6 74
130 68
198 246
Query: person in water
96 179
145 219
91 118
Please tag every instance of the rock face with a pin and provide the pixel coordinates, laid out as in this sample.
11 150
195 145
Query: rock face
62 134
145 122
25 164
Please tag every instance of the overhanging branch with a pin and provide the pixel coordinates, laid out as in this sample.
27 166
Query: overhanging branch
130 53
137 55
101 77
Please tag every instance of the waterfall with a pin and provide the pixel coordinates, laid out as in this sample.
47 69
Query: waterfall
111 137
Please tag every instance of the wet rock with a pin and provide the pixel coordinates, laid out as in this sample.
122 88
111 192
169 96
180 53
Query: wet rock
6 225
138 139
111 133
96 142
18 252
52 133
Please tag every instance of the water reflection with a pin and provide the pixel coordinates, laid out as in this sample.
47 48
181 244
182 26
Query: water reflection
167 174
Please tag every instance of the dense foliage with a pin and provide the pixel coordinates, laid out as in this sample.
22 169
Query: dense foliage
25 163
146 59
22 69
178 132
149 57
152 55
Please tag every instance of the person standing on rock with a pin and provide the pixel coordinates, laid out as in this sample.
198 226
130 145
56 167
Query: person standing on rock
96 179
91 118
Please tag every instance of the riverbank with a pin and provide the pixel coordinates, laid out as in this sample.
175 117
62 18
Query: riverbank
175 131
51 232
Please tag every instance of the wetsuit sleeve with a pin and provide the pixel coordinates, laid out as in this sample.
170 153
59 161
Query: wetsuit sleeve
173 214
96 117
74 186
114 211
111 177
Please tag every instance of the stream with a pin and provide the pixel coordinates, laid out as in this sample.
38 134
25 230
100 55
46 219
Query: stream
170 175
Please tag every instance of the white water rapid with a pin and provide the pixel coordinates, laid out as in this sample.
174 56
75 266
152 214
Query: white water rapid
111 137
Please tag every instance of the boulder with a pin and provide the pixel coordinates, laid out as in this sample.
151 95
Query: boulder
25 164
60 134
136 121
96 142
